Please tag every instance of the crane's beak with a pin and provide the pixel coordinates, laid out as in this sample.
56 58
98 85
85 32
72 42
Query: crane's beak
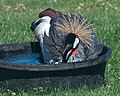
67 52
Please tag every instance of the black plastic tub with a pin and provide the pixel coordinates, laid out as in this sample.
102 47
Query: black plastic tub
19 77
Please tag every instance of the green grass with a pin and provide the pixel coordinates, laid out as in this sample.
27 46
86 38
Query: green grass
105 16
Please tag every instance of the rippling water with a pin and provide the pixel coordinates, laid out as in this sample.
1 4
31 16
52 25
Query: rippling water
31 58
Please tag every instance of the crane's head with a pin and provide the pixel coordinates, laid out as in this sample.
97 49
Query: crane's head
71 46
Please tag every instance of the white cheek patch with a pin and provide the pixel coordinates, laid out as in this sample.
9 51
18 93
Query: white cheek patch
76 42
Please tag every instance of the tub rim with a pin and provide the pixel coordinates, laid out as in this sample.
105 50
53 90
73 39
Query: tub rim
54 67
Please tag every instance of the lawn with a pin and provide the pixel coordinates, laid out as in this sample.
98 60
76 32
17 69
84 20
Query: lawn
103 14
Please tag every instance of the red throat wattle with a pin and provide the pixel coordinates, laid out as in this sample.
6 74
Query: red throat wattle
75 51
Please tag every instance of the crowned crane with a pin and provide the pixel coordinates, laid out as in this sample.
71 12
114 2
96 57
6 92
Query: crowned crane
66 38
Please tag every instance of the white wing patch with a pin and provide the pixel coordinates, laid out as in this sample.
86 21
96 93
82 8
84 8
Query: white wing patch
40 31
43 27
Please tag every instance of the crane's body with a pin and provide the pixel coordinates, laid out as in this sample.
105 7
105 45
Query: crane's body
66 38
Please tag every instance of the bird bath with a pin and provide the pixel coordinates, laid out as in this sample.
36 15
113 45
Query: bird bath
21 68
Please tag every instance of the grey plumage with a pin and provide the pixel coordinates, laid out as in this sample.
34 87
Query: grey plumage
89 46
54 41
